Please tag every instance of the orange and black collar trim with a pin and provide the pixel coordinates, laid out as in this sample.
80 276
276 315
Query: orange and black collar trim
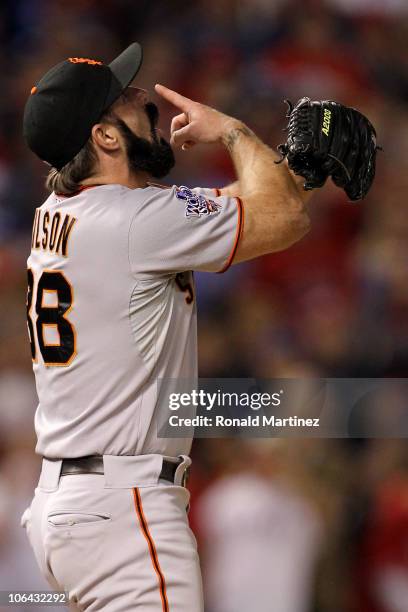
82 188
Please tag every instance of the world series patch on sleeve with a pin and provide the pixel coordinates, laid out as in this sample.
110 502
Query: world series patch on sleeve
325 139
196 204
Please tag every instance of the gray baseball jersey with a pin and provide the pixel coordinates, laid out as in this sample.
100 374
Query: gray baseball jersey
111 310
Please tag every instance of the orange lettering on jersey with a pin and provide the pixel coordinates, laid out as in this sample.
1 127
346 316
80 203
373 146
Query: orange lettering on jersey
54 229
34 227
84 60
54 234
46 220
37 231
64 234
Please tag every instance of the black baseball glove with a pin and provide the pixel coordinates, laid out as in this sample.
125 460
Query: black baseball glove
326 139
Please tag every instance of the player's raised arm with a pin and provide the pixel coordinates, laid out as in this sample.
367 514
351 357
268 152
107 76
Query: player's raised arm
275 216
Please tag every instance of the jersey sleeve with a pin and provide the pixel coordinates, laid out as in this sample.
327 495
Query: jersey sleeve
179 229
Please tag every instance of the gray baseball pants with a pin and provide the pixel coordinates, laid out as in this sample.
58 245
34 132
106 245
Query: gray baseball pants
116 542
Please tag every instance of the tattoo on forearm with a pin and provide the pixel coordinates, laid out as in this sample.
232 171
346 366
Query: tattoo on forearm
234 135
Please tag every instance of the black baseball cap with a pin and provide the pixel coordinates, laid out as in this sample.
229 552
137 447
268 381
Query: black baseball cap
70 98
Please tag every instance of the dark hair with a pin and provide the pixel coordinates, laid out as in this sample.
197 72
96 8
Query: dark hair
68 180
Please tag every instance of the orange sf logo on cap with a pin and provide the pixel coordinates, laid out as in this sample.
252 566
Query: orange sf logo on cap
84 60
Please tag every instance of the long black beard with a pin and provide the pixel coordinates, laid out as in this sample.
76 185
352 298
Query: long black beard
157 157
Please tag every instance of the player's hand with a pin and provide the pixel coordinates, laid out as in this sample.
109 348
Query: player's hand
197 123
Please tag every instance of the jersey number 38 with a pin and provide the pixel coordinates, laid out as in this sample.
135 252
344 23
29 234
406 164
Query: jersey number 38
51 313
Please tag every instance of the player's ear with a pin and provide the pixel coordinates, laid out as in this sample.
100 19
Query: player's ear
106 136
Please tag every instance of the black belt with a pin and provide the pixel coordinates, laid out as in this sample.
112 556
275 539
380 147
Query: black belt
94 465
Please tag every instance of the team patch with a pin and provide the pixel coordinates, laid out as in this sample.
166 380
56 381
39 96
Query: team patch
197 205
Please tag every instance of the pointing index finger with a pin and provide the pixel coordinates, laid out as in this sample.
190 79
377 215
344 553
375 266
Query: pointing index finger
173 97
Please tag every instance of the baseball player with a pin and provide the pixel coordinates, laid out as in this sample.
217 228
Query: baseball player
111 311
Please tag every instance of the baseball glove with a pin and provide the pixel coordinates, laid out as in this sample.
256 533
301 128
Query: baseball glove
326 139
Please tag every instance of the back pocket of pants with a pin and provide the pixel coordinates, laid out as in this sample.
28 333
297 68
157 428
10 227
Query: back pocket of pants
76 519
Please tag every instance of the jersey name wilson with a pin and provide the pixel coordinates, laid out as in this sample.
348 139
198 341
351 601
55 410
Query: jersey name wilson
51 232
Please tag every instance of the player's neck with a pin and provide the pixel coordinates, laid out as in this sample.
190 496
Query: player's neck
132 180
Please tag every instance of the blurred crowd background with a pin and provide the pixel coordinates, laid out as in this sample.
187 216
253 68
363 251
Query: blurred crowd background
286 525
